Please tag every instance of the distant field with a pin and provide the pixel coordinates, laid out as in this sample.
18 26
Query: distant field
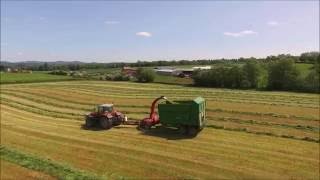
249 134
106 70
30 77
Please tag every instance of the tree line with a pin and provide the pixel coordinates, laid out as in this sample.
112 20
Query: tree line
281 73
307 57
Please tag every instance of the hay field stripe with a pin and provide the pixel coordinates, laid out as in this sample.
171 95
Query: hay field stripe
64 129
272 114
34 125
244 148
57 104
267 130
220 163
228 95
175 93
286 133
225 119
215 98
142 86
47 137
301 126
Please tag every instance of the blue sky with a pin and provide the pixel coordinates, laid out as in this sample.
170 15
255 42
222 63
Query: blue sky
106 31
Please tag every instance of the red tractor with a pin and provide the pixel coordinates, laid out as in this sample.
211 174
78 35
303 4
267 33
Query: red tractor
105 117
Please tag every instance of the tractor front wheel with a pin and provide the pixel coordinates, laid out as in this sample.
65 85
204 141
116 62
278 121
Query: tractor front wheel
89 122
105 123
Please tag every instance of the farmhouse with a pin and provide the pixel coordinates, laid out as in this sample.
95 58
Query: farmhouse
129 71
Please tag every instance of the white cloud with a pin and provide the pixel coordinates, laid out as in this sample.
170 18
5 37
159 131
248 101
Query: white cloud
144 34
240 34
111 22
43 19
273 23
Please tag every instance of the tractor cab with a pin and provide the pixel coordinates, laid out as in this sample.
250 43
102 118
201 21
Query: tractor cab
105 108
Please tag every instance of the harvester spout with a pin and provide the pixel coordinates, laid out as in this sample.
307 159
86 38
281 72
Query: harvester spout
153 118
154 105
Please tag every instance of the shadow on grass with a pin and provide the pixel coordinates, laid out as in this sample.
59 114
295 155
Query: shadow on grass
93 128
167 133
157 131
98 128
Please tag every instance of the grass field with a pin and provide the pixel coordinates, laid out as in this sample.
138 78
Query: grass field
7 78
249 134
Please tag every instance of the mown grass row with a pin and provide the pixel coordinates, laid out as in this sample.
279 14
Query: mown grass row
88 105
264 114
219 153
160 157
216 97
55 169
180 95
263 133
94 98
127 86
49 130
190 90
139 116
142 111
51 112
242 96
299 134
263 123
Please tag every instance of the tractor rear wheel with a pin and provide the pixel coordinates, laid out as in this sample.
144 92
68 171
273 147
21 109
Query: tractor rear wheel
89 122
105 123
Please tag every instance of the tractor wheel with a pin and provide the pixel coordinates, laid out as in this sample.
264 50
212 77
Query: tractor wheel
117 121
192 131
105 123
89 122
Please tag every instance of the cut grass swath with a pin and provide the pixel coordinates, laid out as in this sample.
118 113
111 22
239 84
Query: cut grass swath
61 171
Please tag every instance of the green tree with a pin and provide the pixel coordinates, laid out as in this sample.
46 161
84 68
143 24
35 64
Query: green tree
252 72
145 75
312 80
309 57
283 75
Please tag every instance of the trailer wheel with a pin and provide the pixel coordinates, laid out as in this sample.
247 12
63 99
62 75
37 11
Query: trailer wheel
105 123
183 130
89 122
192 131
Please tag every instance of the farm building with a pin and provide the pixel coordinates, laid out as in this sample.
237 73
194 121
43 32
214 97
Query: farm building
165 67
201 67
129 71
165 71
183 72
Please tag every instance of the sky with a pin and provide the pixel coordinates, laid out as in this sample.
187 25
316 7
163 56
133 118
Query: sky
127 31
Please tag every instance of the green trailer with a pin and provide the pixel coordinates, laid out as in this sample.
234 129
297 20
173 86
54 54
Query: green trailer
188 116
